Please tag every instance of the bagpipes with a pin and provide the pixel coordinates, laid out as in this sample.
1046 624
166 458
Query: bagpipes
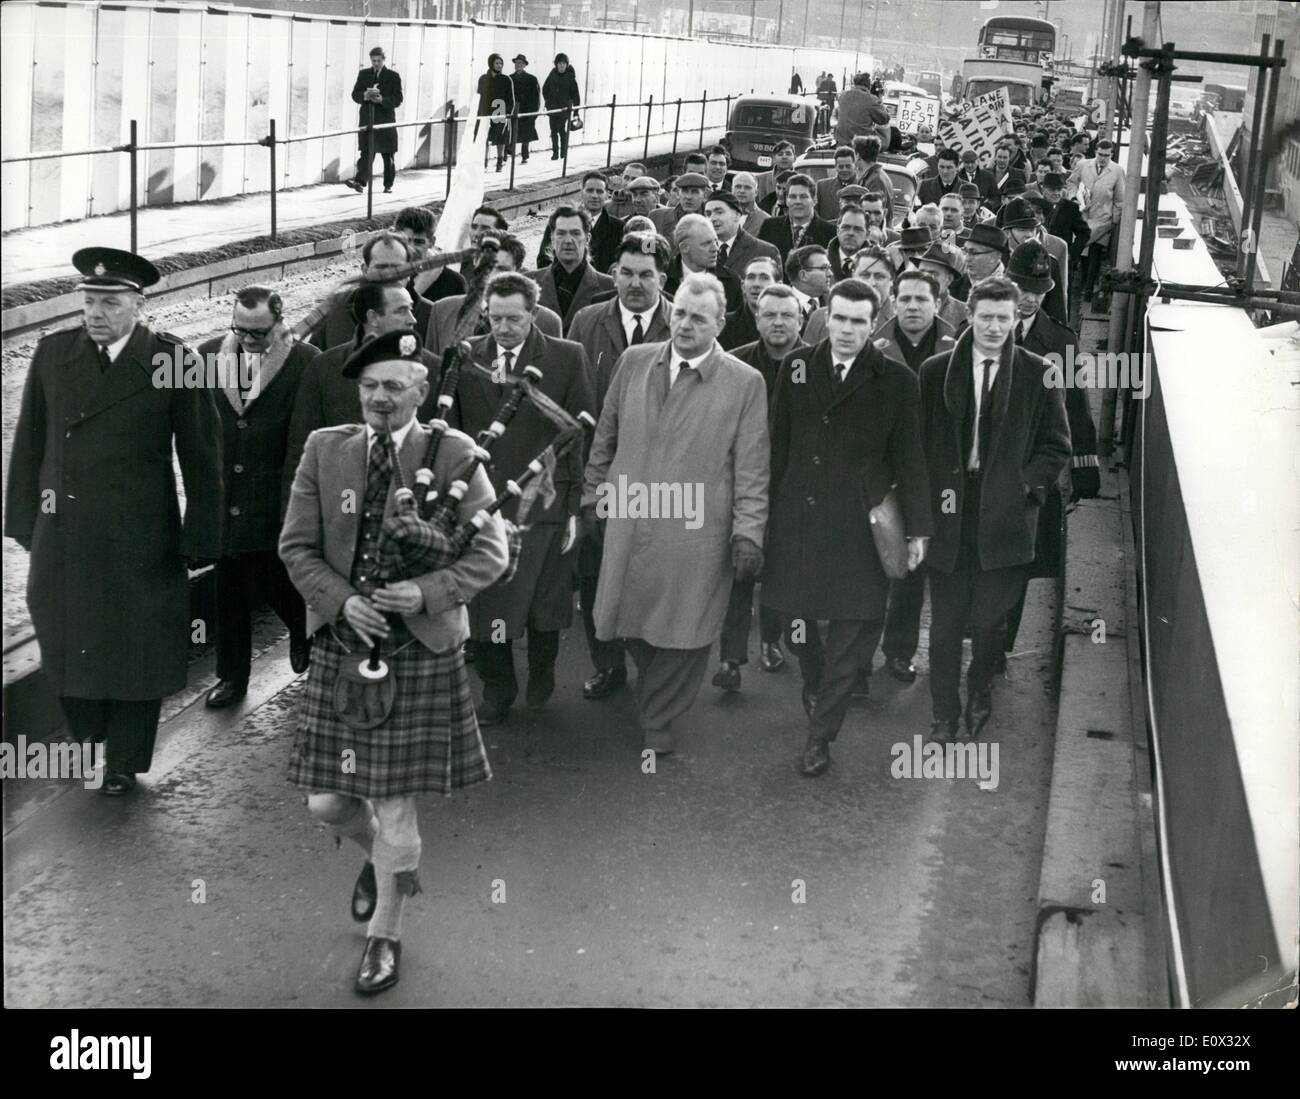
425 533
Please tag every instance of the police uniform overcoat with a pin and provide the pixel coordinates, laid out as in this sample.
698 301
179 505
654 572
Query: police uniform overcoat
92 495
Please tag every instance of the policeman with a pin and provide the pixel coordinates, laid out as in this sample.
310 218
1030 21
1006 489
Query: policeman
92 497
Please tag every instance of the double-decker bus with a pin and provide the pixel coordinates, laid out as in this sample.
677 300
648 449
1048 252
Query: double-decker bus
1013 52
1014 38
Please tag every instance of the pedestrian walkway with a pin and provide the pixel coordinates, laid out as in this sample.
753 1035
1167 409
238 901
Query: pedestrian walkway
45 252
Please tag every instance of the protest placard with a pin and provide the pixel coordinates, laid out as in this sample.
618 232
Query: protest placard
998 102
915 111
978 127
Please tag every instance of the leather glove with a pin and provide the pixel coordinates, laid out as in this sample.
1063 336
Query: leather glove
746 559
1085 481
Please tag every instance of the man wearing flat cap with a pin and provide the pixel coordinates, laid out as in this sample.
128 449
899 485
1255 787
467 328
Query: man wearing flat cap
528 99
92 498
692 188
735 246
364 767
378 91
971 172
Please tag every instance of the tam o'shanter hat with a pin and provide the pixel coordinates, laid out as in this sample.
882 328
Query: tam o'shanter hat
113 269
402 345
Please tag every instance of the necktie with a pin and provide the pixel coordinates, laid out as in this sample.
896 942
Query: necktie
104 361
796 238
638 333
379 470
682 370
722 255
1024 330
508 359
841 371
986 415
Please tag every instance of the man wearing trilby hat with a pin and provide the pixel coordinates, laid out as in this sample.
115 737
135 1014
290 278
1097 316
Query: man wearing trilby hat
362 782
92 497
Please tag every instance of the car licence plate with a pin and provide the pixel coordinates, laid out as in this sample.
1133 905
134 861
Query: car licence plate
764 161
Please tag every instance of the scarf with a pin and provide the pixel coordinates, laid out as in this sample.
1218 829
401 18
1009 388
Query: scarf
273 359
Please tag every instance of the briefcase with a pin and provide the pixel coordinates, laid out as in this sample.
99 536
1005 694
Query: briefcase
889 536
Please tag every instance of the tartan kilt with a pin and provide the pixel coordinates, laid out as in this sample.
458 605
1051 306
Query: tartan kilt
429 744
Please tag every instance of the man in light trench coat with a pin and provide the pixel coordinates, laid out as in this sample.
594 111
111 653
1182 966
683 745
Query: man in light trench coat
678 472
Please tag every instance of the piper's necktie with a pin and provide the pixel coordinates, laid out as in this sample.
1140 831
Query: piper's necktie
638 333
379 471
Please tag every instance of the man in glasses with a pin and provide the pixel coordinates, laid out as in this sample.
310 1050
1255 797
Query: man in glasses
985 250
325 397
808 271
262 370
428 740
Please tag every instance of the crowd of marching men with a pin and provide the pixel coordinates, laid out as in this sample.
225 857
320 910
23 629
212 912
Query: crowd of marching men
786 398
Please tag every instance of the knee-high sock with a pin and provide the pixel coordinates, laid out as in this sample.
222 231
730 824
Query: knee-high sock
348 816
396 855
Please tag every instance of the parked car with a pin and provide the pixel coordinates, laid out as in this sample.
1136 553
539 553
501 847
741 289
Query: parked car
819 163
758 122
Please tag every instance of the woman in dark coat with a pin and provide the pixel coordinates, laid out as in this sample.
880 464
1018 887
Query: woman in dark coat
528 98
496 100
560 94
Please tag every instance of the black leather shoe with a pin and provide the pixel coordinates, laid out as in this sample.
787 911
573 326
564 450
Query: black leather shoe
354 185
603 684
727 677
388 190
809 701
816 757
979 708
541 685
300 655
944 729
115 786
772 658
492 713
365 894
555 156
226 693
379 966
862 688
902 670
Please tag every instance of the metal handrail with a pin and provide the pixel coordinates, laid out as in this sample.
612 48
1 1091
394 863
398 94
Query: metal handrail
132 147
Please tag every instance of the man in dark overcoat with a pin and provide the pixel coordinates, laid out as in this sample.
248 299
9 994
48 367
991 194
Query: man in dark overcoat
528 99
264 367
996 438
637 314
845 431
92 498
362 779
538 600
570 282
1042 335
378 91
